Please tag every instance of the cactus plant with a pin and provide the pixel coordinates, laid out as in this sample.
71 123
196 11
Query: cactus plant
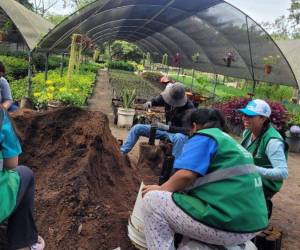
128 97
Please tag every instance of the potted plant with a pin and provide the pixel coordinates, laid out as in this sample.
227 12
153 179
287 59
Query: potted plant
268 62
126 112
196 57
5 30
228 59
2 35
293 134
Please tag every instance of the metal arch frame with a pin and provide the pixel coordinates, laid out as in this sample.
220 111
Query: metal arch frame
156 39
114 34
147 21
200 48
247 16
96 12
97 7
147 35
185 34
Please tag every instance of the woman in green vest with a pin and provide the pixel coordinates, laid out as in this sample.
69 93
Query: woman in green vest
16 192
267 146
215 195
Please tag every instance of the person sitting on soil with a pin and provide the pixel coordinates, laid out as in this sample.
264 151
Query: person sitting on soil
267 146
215 196
16 192
6 100
175 101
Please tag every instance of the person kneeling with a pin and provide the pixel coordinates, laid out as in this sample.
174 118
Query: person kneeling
215 196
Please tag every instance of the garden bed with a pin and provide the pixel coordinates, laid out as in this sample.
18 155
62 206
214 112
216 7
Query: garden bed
121 80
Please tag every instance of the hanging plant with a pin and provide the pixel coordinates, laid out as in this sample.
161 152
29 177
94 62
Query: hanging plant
196 57
229 58
268 62
78 38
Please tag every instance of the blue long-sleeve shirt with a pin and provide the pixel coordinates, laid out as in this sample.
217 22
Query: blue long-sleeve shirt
275 154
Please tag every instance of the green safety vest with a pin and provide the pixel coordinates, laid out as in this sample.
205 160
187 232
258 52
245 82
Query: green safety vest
261 159
9 187
233 203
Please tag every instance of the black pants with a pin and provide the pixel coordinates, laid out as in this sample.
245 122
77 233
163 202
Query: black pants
268 196
21 230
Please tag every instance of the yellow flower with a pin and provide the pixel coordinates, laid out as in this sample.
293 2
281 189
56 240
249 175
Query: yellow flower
51 88
63 89
49 96
36 94
76 89
49 82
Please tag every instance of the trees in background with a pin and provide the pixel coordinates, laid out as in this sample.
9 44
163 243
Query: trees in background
121 50
286 27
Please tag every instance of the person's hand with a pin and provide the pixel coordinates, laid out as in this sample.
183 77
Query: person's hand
161 126
147 105
148 188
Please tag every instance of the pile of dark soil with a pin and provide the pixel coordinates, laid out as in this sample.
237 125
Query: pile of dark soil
85 188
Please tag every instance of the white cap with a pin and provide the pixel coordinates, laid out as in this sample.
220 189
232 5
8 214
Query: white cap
257 107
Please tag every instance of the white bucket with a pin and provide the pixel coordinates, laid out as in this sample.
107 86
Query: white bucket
136 223
189 244
125 117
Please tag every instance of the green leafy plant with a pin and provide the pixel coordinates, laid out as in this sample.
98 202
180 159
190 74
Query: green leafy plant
128 97
120 65
152 76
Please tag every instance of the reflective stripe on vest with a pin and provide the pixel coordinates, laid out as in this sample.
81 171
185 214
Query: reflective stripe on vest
222 174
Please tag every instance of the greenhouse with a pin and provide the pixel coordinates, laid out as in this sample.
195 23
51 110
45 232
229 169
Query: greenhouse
209 36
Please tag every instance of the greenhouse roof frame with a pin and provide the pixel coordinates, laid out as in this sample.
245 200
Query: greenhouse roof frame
31 25
195 34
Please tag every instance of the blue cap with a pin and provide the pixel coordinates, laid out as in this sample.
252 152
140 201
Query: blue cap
257 107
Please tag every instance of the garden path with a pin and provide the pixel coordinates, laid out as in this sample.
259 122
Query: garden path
286 203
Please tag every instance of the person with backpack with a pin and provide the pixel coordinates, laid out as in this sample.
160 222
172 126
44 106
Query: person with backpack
6 100
16 192
176 104
267 146
215 196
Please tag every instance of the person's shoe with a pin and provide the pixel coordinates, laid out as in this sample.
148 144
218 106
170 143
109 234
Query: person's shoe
40 245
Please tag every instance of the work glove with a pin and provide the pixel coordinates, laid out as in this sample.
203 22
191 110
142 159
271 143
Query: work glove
161 126
147 105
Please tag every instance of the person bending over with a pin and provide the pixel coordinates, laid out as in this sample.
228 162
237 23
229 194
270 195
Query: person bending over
176 104
215 196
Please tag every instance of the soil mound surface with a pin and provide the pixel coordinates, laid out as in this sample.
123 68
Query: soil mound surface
85 188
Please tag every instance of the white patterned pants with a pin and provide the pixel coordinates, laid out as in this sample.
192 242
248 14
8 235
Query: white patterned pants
163 218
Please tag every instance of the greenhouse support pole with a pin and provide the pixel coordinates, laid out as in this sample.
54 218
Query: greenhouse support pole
253 88
46 66
62 64
251 59
193 75
29 89
178 71
216 82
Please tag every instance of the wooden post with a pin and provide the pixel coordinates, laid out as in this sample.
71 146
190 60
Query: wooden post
29 89
46 66
62 64
193 75
216 82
